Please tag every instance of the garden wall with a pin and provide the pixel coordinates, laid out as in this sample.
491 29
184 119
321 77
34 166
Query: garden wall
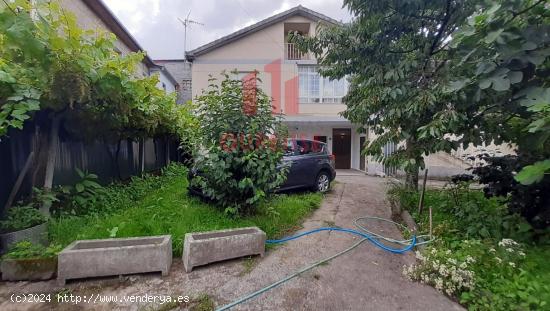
95 157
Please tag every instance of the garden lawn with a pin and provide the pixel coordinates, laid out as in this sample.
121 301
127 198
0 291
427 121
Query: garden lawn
165 208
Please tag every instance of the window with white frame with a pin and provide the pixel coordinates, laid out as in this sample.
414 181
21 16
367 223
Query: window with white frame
315 89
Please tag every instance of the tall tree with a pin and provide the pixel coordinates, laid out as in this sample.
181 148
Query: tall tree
396 55
501 89
501 80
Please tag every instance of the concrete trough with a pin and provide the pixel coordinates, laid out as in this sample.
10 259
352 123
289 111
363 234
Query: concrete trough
201 248
106 257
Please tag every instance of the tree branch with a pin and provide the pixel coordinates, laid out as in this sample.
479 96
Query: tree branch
9 7
516 14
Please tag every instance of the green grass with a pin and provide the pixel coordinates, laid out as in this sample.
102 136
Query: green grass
168 209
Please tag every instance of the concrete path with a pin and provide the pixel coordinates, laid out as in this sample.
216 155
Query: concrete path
366 278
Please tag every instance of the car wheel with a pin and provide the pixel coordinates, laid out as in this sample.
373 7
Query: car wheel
322 183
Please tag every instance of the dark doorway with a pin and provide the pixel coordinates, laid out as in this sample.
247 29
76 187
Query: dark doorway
361 157
341 147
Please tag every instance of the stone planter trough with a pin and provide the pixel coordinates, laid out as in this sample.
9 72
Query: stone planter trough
28 269
93 258
37 235
201 248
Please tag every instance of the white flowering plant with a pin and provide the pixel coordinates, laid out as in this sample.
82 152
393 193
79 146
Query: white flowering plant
480 274
483 256
443 269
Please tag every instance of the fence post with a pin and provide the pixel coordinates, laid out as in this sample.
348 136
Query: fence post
142 156
167 142
421 201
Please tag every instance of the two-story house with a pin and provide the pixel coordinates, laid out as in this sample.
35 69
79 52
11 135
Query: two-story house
309 102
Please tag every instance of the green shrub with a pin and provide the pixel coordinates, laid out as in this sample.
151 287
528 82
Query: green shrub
26 250
236 160
79 198
460 207
475 257
483 275
21 217
531 201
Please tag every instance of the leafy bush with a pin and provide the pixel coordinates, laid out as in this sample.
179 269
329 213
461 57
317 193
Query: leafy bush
236 160
482 275
458 206
475 257
21 217
81 197
26 250
530 201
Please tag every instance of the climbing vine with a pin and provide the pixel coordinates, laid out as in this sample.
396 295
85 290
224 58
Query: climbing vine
65 77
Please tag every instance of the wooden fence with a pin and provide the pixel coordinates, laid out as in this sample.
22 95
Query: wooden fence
134 158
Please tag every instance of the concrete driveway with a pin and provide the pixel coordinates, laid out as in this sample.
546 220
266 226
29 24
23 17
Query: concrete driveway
366 278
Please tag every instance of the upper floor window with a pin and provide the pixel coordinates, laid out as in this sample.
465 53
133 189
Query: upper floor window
315 89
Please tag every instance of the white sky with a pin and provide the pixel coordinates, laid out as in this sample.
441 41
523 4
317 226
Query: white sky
155 26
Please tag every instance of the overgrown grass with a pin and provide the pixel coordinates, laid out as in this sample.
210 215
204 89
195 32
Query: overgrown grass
473 235
164 207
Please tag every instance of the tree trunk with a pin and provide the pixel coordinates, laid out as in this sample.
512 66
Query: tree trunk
411 179
18 183
50 162
411 170
52 152
40 148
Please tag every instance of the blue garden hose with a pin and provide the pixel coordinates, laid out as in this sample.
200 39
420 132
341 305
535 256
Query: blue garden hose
366 235
361 234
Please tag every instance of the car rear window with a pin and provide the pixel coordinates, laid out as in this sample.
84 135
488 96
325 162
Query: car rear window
302 147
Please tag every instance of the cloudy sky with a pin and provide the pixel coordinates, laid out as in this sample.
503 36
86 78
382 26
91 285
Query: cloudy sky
155 25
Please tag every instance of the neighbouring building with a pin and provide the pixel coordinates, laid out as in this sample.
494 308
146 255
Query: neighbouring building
311 104
94 14
181 70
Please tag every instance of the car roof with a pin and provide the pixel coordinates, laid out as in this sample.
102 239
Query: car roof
300 139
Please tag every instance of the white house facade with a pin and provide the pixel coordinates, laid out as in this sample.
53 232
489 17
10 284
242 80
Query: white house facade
310 103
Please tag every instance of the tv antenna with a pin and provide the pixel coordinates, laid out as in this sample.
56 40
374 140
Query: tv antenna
187 23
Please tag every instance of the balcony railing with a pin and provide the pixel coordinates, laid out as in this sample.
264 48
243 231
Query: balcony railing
293 53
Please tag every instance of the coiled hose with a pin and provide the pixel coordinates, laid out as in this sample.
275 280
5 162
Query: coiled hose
372 237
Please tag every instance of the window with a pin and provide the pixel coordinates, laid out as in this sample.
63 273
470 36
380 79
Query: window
309 147
315 89
320 138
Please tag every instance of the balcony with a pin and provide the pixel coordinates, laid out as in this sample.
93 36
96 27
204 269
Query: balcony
293 53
